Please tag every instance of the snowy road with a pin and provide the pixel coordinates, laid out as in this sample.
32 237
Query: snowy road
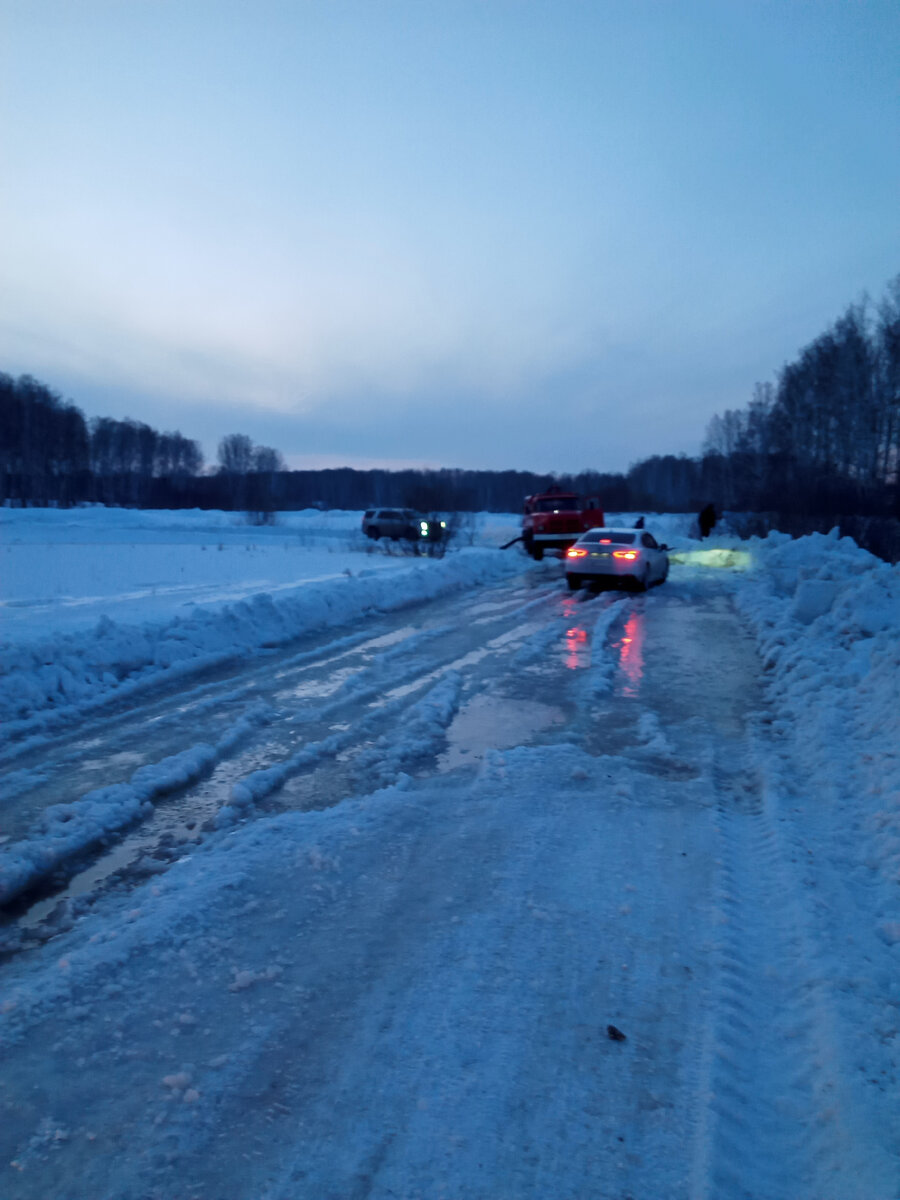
369 942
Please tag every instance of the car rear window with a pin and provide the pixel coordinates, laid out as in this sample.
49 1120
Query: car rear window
370 512
610 536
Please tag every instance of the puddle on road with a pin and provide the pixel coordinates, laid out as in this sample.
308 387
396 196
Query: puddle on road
490 606
307 661
388 639
316 687
629 649
577 651
510 638
169 832
703 666
492 722
124 758
81 883
164 836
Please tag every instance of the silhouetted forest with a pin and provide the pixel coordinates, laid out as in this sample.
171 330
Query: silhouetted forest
49 453
820 442
825 437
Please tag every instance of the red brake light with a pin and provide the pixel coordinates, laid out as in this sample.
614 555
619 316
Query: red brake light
625 553
575 552
606 541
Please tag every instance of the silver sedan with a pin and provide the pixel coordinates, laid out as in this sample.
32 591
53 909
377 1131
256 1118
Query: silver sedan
632 556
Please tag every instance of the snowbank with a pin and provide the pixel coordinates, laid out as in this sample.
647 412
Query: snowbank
827 621
62 570
71 673
827 616
99 602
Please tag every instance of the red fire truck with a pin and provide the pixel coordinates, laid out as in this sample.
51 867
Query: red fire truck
555 519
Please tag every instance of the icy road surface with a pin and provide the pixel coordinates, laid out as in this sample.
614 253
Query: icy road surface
385 892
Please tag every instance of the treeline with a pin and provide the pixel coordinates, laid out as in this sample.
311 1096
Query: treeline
448 489
824 439
49 453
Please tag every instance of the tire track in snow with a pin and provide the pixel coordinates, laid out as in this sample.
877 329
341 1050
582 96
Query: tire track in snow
66 830
780 1114
425 724
158 727
744 1086
386 690
170 697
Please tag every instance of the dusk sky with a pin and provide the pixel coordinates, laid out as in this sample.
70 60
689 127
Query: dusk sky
474 233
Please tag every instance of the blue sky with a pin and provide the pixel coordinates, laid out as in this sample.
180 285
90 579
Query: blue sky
445 232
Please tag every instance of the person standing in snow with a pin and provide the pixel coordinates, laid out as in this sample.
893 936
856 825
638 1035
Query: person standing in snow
639 523
706 520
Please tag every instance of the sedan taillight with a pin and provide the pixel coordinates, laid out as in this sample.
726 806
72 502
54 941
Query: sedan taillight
625 554
576 552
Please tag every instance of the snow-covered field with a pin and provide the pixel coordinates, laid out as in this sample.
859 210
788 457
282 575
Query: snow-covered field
95 601
329 871
62 570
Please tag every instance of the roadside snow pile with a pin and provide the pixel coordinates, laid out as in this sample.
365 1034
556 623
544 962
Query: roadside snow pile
827 620
71 673
61 570
827 616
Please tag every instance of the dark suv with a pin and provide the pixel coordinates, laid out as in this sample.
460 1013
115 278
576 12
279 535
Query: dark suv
392 523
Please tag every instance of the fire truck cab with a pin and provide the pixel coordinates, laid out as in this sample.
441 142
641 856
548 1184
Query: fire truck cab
555 519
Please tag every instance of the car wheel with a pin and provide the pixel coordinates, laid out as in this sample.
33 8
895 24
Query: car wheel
640 582
374 533
574 582
537 553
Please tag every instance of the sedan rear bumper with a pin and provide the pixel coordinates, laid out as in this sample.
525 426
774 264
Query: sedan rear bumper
586 568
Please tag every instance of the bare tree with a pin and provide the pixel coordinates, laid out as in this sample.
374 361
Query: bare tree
888 385
266 461
236 454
